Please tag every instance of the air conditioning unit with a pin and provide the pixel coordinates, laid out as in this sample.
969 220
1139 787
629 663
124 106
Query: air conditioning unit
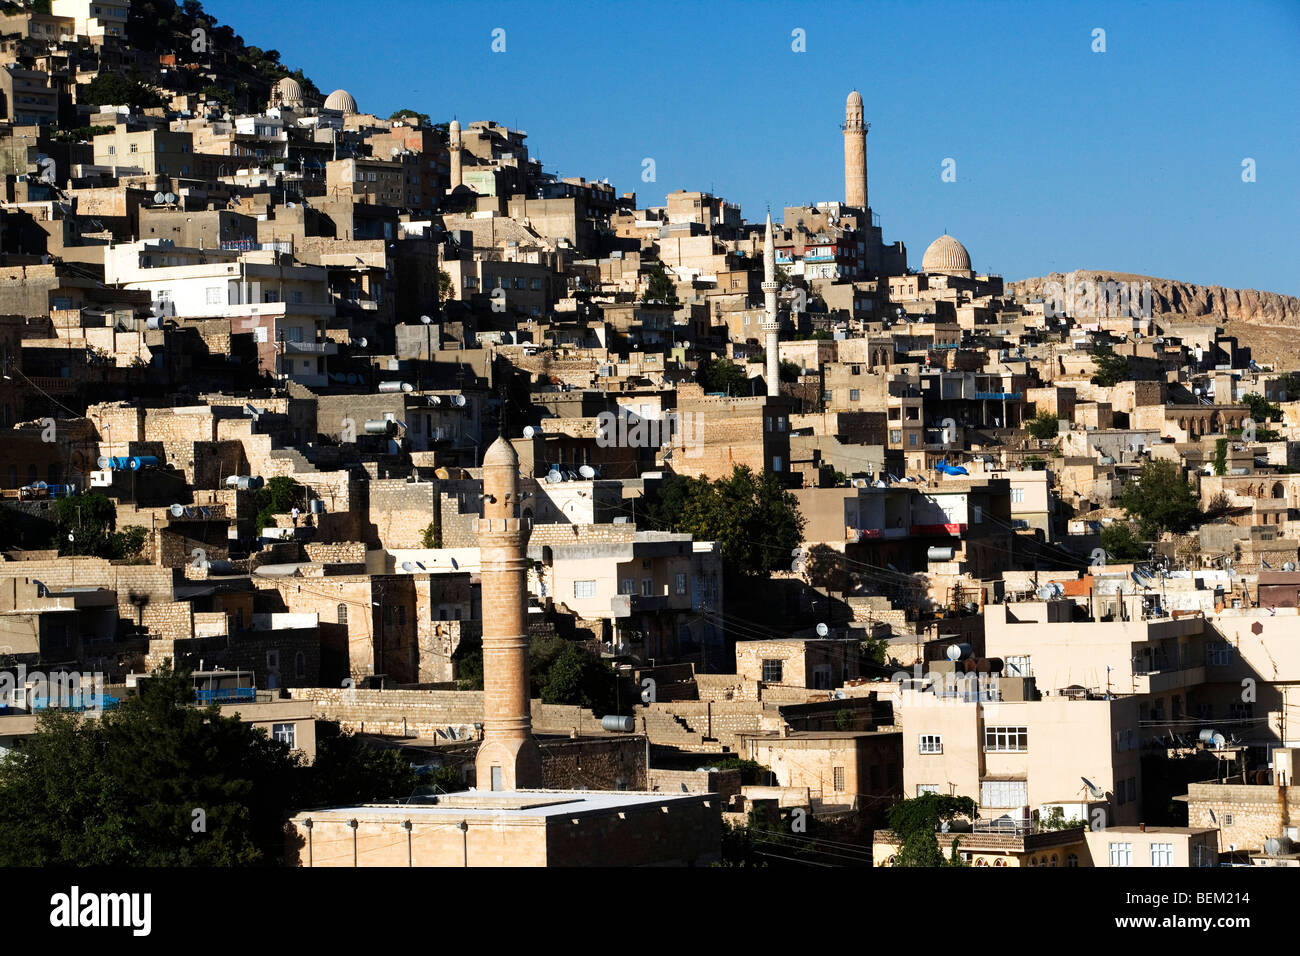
101 479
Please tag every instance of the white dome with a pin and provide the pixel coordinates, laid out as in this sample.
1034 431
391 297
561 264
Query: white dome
341 101
947 256
288 91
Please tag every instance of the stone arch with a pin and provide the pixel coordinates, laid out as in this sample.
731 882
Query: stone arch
1279 490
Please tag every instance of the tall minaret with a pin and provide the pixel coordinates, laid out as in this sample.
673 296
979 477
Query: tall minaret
454 148
770 324
855 153
508 758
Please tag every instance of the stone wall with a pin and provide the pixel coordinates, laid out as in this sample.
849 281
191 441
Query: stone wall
604 763
1256 811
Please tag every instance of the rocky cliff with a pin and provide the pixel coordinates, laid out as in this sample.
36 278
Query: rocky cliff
1183 299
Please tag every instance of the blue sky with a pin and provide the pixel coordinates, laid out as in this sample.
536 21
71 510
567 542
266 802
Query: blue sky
1065 158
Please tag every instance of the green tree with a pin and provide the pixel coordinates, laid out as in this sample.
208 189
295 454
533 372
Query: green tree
111 89
85 524
753 517
445 289
1160 499
660 288
915 822
1111 368
1121 543
1221 456
790 371
1261 409
421 119
123 790
1043 425
127 543
278 496
722 375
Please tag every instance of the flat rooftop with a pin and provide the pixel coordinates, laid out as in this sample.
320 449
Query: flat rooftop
517 804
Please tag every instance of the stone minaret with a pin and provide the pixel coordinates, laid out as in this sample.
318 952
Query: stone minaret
770 325
454 148
855 153
508 758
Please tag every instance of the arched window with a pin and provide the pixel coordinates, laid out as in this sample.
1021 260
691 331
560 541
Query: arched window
1053 863
981 862
999 862
1072 859
343 613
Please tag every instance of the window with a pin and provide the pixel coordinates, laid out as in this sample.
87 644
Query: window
1227 819
300 665
1017 496
911 439
284 733
772 671
1121 854
895 436
1216 654
680 583
923 788
776 462
837 774
342 613
1162 854
214 295
584 589
855 395
1072 859
647 587
1019 666
931 744
627 586
1132 789
1001 794
1006 738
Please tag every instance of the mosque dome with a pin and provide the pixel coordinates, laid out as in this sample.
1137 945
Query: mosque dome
288 91
946 256
341 101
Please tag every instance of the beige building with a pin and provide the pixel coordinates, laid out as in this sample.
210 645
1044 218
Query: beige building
528 828
95 18
1016 756
1146 846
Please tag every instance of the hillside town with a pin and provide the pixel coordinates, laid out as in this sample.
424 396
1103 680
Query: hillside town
639 529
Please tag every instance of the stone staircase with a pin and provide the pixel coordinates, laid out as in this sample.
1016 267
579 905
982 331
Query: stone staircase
669 730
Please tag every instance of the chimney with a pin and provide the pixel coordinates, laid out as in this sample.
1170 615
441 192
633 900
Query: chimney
1142 828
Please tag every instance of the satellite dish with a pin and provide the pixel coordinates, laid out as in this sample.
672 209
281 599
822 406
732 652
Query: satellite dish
435 399
554 477
586 471
1096 791
529 431
458 401
455 565
159 198
822 630
170 197
425 319
407 566
176 510
361 342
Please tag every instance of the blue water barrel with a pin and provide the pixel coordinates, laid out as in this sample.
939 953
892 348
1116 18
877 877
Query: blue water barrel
142 461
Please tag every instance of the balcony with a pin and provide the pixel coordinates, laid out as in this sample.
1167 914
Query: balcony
311 348
224 695
625 605
947 530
